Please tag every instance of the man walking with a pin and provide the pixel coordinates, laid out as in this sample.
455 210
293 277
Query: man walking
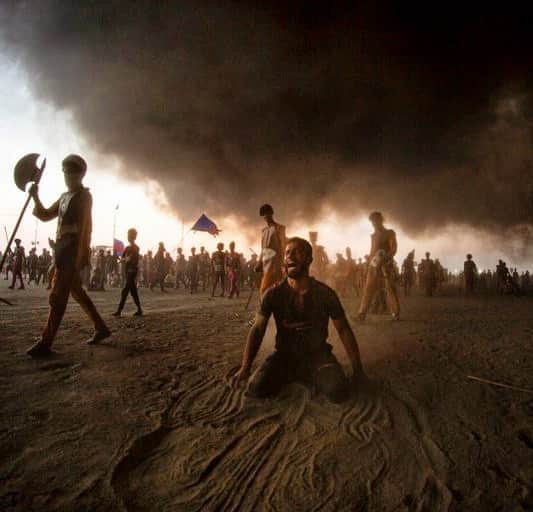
72 251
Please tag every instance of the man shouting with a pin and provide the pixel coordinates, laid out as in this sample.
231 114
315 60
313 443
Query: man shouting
72 253
302 308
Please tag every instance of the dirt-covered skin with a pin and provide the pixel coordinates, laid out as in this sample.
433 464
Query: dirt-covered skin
145 421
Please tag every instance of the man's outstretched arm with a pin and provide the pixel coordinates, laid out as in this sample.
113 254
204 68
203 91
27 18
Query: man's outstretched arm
39 211
253 343
350 345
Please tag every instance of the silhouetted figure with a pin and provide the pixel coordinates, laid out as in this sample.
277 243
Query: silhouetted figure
218 262
71 253
19 260
130 256
408 273
272 246
470 274
427 275
382 251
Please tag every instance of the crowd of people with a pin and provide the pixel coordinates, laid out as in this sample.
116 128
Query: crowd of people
296 281
226 271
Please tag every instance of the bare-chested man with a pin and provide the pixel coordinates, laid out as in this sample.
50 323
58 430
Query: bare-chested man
320 258
382 251
408 273
272 249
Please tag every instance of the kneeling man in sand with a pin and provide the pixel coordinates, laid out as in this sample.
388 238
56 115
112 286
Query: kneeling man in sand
302 308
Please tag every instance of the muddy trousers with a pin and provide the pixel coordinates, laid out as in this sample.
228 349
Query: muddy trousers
180 278
17 273
193 282
130 287
320 369
370 289
67 281
219 276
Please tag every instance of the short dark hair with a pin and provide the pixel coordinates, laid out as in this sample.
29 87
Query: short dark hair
374 216
304 245
75 163
266 209
132 231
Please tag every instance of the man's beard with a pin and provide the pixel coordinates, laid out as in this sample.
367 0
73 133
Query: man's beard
297 272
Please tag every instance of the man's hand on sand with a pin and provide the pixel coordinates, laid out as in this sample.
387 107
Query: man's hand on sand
242 374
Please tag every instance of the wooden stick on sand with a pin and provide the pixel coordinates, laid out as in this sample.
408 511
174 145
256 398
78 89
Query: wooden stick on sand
499 384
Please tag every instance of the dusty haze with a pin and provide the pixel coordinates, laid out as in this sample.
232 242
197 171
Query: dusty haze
227 105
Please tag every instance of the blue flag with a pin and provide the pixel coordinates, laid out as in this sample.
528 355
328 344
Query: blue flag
204 223
118 247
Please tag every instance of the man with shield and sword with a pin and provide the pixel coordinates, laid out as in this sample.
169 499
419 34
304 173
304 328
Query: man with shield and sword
72 253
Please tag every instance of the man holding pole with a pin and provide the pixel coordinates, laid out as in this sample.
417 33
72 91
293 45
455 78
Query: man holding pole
272 249
72 252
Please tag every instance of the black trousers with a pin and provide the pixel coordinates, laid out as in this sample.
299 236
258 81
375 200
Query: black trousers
320 369
130 287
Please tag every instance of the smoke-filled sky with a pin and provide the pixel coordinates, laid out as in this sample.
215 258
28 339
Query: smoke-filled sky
312 106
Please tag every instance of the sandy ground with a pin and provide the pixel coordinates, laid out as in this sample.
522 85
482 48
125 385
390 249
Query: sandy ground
146 422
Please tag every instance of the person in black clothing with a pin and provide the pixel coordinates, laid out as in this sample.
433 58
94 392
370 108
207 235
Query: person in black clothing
160 265
302 308
131 258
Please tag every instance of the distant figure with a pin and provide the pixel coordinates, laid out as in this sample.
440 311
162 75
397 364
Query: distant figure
218 261
340 274
204 262
192 270
149 268
470 274
408 273
43 263
272 247
302 308
33 265
502 277
233 270
351 271
130 257
440 275
159 268
382 251
525 281
427 275
9 263
71 253
181 269
320 258
19 260
98 281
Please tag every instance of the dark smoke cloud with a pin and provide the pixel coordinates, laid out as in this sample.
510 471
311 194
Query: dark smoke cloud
426 116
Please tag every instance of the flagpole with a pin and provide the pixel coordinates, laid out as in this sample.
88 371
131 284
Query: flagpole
114 228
